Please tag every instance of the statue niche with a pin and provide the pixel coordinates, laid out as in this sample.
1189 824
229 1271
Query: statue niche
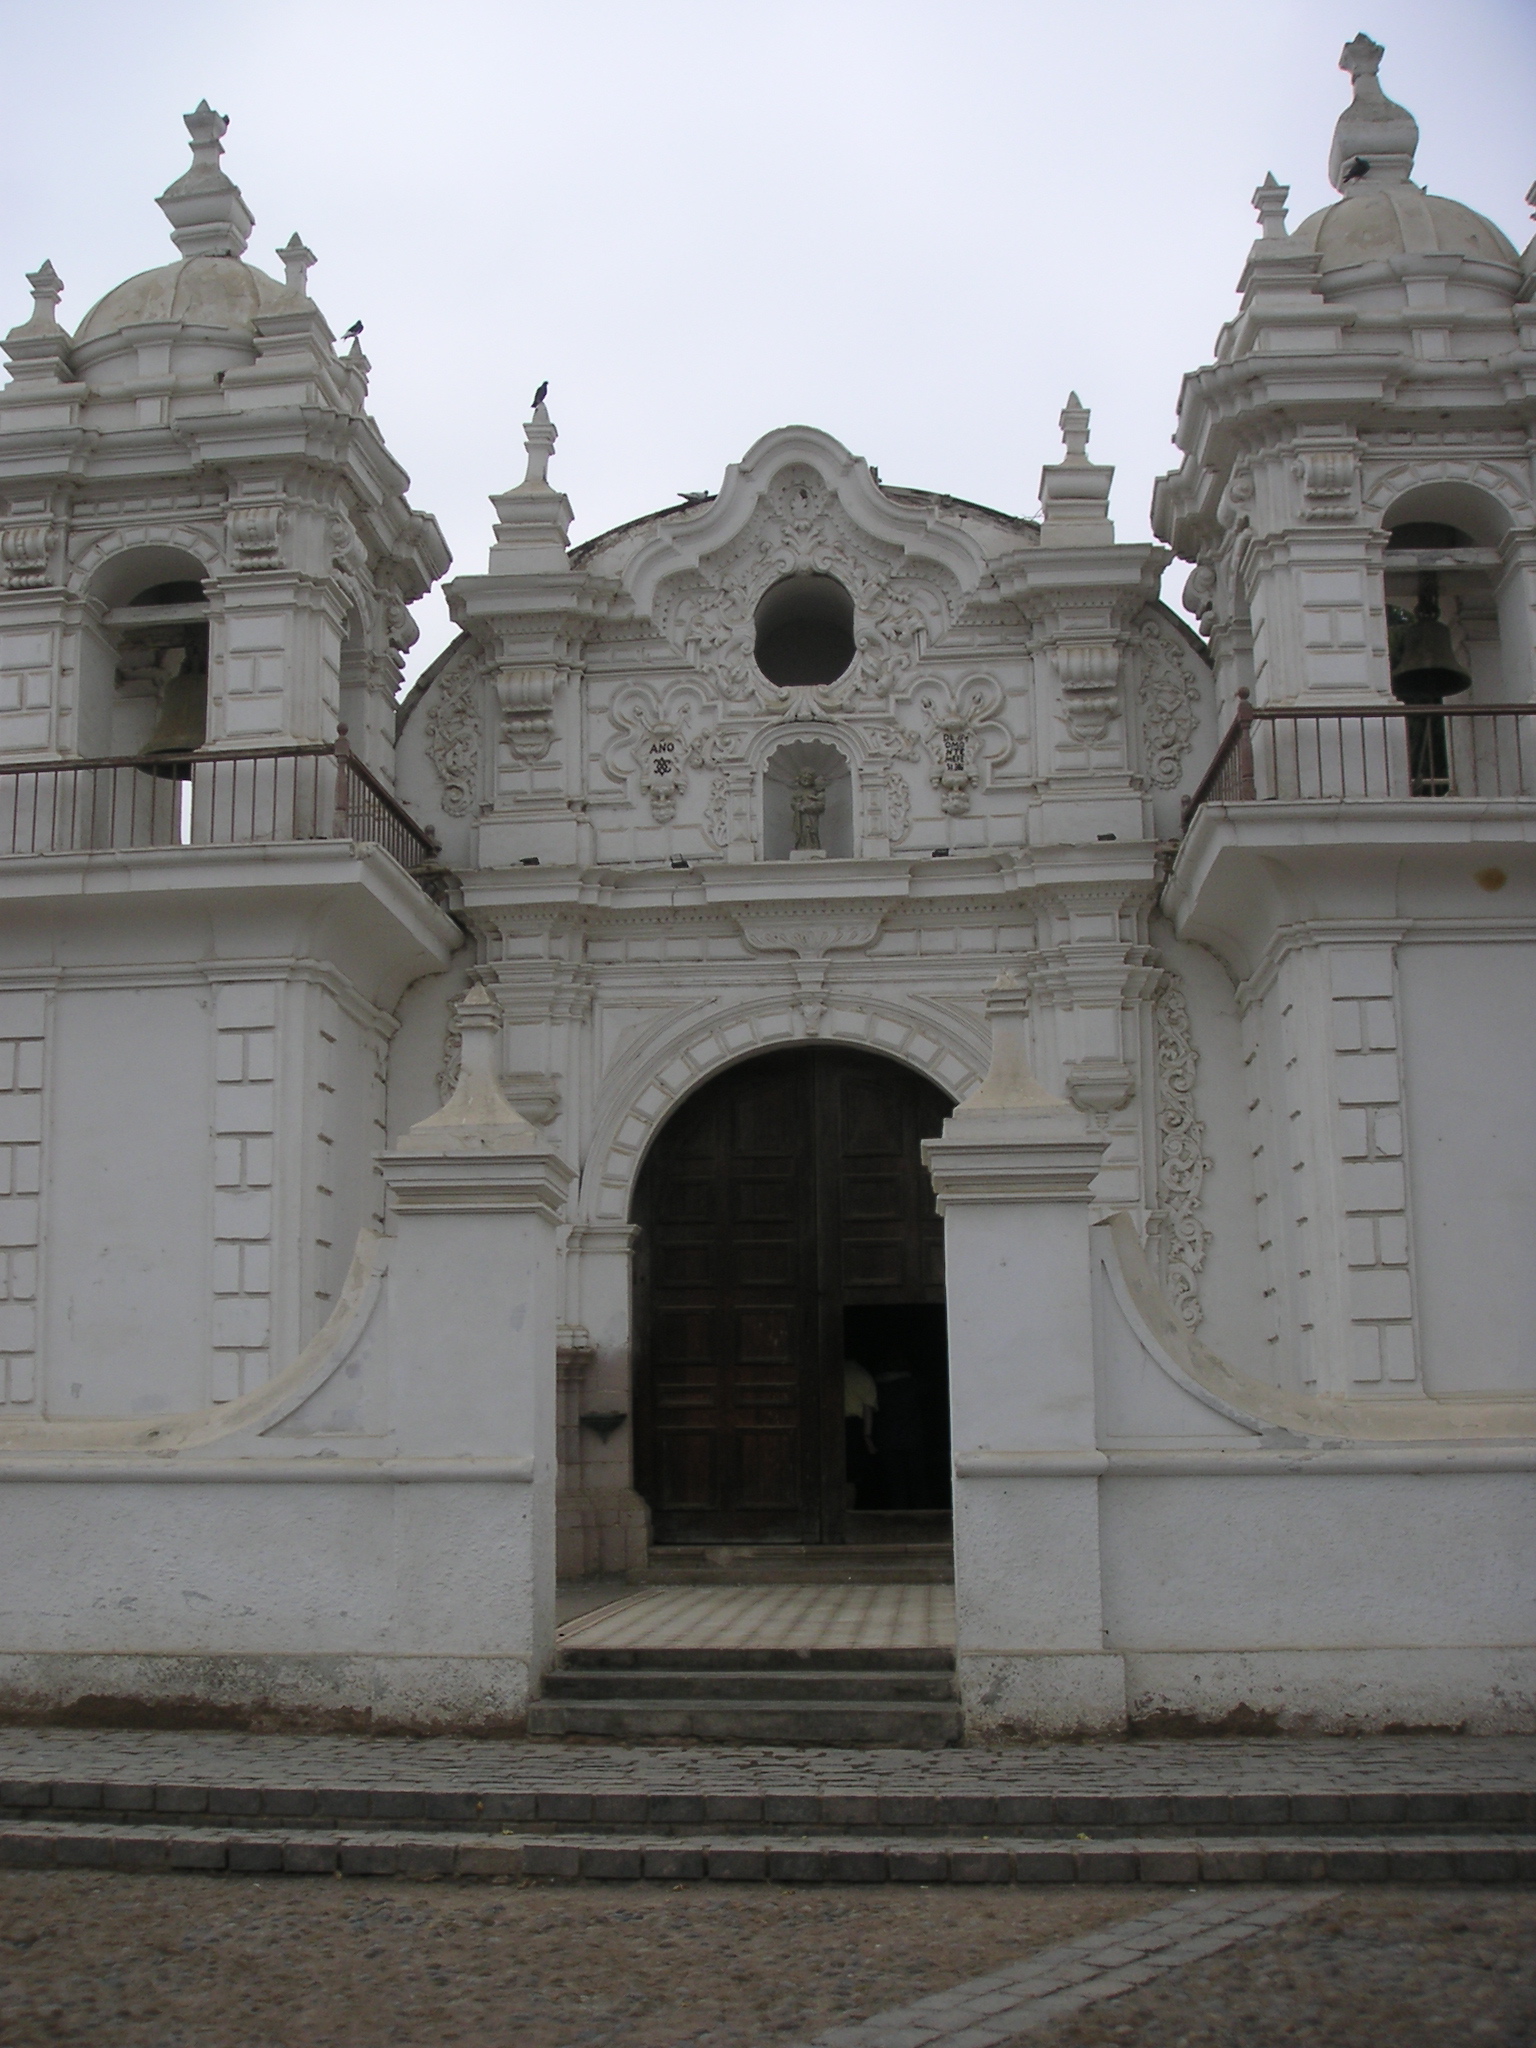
807 803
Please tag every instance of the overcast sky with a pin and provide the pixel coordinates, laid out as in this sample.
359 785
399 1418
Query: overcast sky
914 223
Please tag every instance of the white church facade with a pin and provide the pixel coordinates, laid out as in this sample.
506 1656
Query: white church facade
453 1136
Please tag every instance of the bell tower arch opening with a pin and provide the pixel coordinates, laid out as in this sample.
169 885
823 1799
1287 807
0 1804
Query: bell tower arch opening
791 1382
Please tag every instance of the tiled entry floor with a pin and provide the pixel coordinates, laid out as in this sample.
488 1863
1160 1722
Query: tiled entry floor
877 1617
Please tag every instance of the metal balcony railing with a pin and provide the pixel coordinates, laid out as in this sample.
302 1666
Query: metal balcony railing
1374 753
254 796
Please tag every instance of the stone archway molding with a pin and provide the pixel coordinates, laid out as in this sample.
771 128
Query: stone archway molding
678 1055
124 540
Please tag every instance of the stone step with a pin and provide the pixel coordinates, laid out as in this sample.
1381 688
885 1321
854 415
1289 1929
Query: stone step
750 1720
640 1657
749 1564
1439 1859
599 1682
588 1798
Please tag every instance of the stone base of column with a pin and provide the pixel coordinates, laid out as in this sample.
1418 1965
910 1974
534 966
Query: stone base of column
601 1534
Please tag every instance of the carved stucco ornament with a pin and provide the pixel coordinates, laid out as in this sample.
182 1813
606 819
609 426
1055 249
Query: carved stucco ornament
654 744
799 527
452 735
1168 703
1181 1161
964 736
810 941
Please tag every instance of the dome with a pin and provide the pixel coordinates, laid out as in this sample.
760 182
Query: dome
1381 216
1380 221
217 292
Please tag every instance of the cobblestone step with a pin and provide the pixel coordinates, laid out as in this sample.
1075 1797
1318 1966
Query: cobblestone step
638 1657
1442 1859
725 1564
583 1682
482 1797
846 1723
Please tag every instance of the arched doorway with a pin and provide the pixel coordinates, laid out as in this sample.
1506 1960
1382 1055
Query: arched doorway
787 1225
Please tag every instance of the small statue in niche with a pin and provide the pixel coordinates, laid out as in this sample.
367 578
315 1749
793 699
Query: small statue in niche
806 806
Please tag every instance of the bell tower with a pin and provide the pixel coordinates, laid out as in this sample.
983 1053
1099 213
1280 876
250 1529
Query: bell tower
1356 498
1355 490
203 539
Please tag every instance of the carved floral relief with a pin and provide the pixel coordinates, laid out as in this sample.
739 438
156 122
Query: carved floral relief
1168 703
452 738
1181 1160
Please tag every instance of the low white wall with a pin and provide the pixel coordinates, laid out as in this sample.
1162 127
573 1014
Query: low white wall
1336 1600
357 1601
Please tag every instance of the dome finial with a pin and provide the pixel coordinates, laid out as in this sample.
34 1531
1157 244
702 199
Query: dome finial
1269 204
296 261
208 217
1375 139
1074 428
47 290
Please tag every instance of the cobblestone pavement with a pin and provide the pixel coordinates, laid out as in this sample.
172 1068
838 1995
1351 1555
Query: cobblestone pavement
88 1959
1223 1765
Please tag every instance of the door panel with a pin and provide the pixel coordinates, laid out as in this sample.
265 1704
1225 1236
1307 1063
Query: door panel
785 1191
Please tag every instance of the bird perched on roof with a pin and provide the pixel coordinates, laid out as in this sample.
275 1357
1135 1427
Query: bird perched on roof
541 394
353 331
1357 169
695 497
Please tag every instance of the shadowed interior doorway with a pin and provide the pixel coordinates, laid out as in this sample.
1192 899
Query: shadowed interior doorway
787 1227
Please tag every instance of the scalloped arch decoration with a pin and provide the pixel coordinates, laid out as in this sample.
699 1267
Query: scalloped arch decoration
1501 485
188 540
678 1056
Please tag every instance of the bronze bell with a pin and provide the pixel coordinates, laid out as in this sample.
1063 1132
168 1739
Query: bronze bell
1423 660
181 725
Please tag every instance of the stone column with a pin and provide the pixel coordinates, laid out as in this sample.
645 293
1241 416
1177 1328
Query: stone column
1012 1170
472 1303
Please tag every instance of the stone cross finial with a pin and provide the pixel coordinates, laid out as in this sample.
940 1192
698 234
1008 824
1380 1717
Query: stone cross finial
296 261
1269 205
1074 428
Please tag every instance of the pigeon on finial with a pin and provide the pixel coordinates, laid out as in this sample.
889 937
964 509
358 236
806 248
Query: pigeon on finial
541 394
1375 138
296 261
353 331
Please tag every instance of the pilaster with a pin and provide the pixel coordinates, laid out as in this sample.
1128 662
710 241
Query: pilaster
1013 1172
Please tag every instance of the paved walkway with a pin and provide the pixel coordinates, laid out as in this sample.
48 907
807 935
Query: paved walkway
868 1617
1212 1770
990 2011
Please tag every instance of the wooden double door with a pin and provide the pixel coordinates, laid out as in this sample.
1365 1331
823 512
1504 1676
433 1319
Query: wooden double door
779 1205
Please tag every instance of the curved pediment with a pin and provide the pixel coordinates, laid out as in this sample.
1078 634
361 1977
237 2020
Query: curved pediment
912 532
801 506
